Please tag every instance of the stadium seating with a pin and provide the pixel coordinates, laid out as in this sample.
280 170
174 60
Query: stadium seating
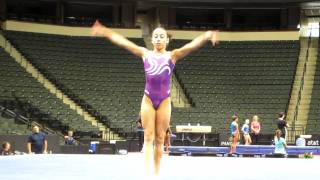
246 78
313 123
23 94
9 126
106 80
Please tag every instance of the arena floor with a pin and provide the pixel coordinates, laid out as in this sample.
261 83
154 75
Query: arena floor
130 167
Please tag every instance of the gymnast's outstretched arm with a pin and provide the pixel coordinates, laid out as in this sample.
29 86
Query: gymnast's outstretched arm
117 39
194 45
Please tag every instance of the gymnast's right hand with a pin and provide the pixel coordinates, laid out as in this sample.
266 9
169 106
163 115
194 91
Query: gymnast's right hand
97 29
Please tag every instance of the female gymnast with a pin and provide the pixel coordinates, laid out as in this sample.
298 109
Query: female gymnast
245 130
235 136
158 66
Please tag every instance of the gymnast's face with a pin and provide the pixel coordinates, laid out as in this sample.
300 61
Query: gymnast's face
159 39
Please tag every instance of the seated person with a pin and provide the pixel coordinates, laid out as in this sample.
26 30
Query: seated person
5 150
279 143
69 140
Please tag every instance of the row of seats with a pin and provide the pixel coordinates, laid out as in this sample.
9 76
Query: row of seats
9 126
313 123
25 94
246 78
222 86
109 90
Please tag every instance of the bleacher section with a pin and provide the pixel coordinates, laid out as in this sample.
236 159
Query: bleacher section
23 94
9 126
104 79
246 78
313 123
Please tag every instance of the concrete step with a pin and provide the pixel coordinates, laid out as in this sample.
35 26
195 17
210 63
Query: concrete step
308 79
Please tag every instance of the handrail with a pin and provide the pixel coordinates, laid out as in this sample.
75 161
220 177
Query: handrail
30 123
176 84
292 84
296 112
298 129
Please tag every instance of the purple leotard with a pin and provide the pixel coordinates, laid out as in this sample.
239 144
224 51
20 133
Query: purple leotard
158 70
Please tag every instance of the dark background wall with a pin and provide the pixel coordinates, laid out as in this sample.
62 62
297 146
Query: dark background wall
218 14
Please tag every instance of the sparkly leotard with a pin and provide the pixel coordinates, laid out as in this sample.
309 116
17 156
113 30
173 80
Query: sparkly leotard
158 70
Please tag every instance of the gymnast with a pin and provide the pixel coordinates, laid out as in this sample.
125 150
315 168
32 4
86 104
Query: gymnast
235 136
158 66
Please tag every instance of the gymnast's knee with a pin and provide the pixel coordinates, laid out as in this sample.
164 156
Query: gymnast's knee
159 139
148 136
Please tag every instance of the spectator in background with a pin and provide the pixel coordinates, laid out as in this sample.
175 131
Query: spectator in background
6 149
69 140
140 132
255 129
235 135
246 130
282 124
37 142
279 143
167 141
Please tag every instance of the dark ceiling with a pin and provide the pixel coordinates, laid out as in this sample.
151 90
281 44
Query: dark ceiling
179 1
221 3
195 1
227 1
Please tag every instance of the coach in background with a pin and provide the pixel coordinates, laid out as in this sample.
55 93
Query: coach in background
37 142
282 124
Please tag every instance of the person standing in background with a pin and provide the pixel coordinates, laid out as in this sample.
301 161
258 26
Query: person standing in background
234 127
282 124
167 141
140 132
246 130
255 129
37 142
